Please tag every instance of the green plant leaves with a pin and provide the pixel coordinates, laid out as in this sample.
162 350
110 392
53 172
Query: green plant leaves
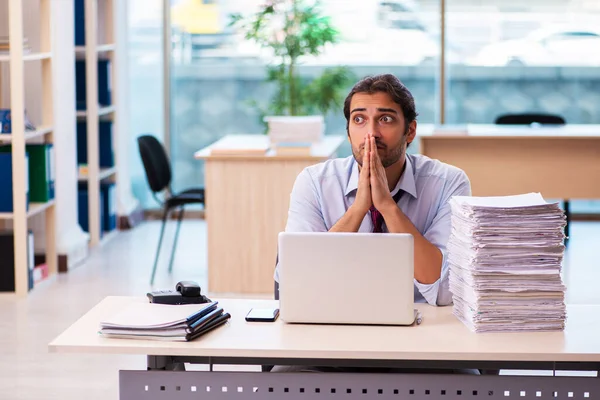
293 29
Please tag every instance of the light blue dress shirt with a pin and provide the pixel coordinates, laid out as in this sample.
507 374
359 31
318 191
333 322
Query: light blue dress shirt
323 193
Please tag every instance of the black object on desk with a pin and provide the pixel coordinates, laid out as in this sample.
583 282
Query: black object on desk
262 315
186 292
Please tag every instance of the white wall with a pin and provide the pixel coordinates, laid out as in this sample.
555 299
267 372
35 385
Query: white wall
71 239
125 144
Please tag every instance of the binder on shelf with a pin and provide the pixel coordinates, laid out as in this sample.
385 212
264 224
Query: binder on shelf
107 156
6 180
79 23
104 88
5 121
83 208
105 142
41 172
7 261
109 221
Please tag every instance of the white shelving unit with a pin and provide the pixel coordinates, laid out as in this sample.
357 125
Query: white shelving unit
19 137
99 40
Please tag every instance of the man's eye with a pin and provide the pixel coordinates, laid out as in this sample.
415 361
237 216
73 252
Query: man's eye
358 120
386 118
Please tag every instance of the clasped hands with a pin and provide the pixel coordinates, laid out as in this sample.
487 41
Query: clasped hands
373 188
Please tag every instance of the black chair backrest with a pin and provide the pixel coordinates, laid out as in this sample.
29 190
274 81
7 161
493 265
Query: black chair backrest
530 118
156 163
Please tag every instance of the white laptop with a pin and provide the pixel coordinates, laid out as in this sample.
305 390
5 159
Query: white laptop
346 278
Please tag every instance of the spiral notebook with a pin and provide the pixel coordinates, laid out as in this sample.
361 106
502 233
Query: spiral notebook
151 321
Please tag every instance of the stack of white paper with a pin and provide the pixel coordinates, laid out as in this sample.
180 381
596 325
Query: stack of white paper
295 130
505 256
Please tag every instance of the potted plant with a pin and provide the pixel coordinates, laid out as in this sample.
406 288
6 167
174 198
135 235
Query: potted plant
291 31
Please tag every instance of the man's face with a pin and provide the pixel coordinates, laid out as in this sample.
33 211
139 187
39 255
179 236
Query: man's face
379 115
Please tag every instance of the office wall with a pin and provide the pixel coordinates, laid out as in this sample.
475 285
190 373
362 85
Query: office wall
71 239
126 202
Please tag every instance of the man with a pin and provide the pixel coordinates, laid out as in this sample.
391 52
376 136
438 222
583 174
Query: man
380 188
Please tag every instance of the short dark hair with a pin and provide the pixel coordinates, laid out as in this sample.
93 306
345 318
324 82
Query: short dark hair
389 84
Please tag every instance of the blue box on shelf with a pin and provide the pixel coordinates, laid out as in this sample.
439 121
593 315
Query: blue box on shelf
104 84
79 22
6 182
83 208
109 205
106 156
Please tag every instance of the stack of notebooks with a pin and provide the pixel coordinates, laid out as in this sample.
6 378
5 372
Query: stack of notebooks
5 45
505 256
183 322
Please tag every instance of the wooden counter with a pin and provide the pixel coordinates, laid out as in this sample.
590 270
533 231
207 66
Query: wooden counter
247 200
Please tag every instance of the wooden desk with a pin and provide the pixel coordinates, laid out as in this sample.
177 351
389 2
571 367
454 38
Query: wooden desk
247 201
559 162
441 336
441 341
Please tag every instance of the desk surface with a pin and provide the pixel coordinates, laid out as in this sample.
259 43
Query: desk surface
320 151
440 337
570 131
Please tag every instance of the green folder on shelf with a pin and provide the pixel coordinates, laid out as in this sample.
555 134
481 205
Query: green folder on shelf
41 171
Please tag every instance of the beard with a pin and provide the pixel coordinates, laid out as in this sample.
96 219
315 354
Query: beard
389 156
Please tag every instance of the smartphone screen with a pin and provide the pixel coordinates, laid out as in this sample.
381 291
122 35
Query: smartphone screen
262 315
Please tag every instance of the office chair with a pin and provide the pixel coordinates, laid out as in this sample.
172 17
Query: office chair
542 119
530 118
158 175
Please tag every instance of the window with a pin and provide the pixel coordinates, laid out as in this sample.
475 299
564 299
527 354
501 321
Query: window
512 57
145 30
216 74
501 56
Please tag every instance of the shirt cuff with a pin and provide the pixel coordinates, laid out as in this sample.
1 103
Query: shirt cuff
429 291
437 293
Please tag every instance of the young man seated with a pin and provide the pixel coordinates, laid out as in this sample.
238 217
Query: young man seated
380 188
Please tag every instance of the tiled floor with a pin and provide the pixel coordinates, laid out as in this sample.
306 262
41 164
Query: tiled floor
122 267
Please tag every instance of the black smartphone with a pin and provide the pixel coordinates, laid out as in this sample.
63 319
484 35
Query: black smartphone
262 315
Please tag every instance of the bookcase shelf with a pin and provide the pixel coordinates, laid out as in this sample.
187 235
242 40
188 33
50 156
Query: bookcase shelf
105 173
95 45
101 48
22 208
102 111
45 130
34 209
28 57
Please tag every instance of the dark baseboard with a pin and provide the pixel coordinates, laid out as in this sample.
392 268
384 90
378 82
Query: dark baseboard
585 217
132 220
63 264
157 214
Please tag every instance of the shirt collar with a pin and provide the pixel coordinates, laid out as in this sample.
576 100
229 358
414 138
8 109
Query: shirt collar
406 182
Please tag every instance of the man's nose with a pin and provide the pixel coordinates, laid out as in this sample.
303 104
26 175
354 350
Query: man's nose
374 129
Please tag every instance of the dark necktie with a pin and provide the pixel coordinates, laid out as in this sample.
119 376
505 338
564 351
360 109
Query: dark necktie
376 216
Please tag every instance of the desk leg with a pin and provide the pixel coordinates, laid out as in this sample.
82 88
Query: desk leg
164 363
